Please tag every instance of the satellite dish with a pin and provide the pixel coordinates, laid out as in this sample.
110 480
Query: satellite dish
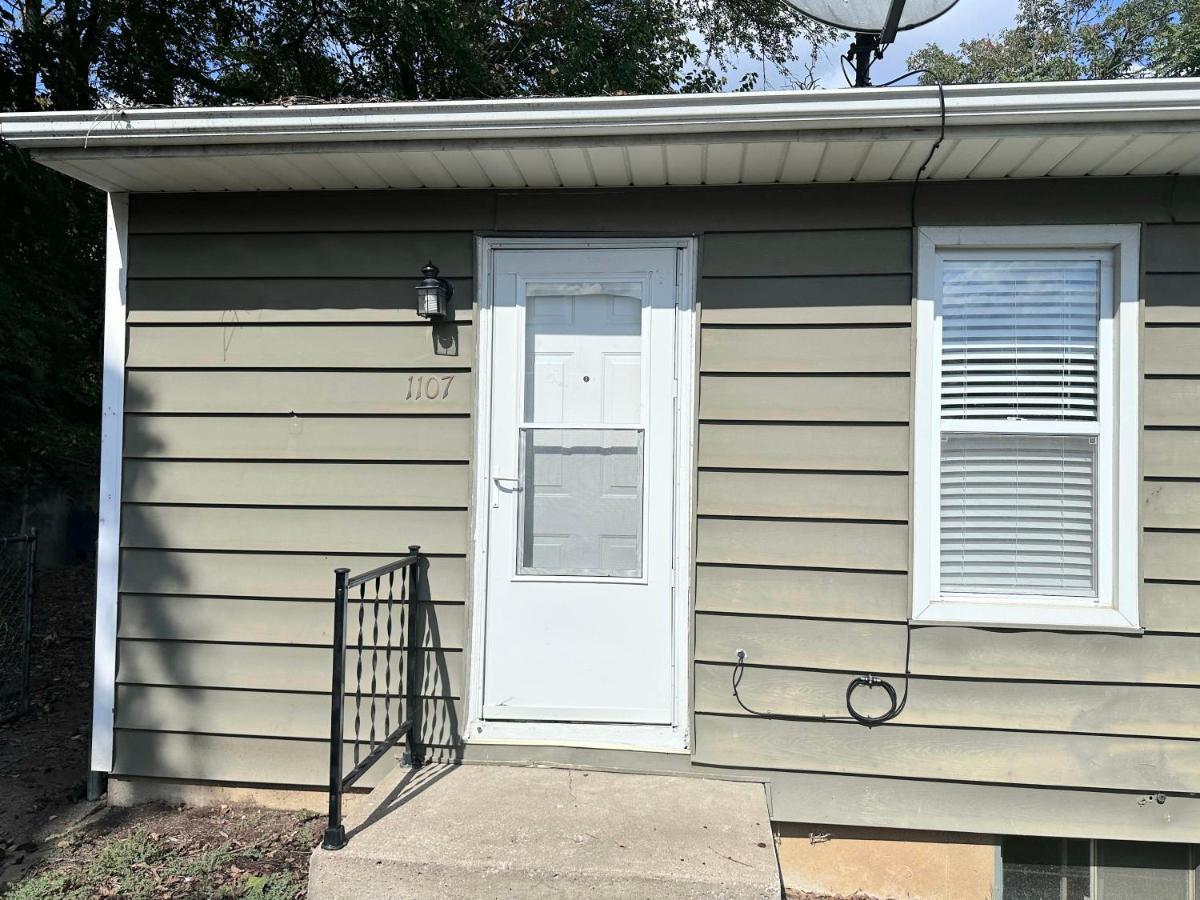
872 15
874 23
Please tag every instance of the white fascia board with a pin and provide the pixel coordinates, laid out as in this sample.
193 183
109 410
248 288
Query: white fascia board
1074 103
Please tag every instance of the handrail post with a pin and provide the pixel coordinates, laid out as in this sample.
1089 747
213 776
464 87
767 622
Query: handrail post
335 833
416 629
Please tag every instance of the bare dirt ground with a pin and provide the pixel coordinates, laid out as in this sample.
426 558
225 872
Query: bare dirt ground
43 754
54 844
154 852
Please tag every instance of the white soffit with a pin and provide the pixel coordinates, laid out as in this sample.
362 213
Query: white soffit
1138 127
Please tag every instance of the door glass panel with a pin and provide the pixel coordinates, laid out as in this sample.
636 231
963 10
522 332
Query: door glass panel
583 353
581 502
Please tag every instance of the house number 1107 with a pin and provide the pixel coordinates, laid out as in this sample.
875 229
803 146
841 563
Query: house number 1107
429 387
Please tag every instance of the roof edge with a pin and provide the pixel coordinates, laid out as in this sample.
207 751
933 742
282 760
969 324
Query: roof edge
1046 103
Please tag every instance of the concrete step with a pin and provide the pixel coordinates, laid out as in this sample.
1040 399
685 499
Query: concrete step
488 831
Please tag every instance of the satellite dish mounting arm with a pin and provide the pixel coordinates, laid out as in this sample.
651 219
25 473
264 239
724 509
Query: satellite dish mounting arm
892 23
869 46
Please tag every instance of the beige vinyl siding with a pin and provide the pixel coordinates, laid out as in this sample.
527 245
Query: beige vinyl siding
291 575
265 446
252 620
283 300
415 438
1139 710
926 805
278 426
292 346
284 254
804 495
299 483
285 529
1171 439
803 551
294 392
236 759
949 754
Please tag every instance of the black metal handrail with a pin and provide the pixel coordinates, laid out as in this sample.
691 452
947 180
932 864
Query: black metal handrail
407 642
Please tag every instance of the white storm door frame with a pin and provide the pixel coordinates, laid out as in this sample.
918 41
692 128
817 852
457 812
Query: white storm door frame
673 738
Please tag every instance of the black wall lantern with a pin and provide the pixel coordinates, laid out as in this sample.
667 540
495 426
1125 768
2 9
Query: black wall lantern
433 294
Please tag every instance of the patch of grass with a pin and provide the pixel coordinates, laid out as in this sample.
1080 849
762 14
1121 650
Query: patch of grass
277 886
49 884
203 866
126 855
148 854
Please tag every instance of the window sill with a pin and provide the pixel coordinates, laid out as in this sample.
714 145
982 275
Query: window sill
1025 617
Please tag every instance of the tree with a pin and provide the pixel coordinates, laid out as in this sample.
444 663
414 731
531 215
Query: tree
75 54
1066 40
69 53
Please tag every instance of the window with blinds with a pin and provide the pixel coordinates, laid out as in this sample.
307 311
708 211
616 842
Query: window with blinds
1026 426
1020 421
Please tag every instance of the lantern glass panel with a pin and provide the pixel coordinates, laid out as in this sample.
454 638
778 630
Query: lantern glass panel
429 300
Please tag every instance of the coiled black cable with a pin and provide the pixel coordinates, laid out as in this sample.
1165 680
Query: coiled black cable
869 681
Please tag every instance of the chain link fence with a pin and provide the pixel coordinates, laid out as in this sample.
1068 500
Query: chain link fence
16 617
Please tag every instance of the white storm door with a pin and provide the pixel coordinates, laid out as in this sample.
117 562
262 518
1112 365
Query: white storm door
579 599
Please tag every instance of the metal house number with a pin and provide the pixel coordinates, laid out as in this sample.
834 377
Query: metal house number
429 387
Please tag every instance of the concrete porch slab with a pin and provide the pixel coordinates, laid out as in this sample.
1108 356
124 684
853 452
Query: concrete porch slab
487 831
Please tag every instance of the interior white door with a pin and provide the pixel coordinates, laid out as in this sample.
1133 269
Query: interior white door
579 597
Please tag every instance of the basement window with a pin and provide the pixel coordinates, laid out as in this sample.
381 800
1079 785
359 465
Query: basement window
1026 427
1035 868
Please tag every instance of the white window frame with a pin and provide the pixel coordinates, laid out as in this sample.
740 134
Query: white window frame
1117 475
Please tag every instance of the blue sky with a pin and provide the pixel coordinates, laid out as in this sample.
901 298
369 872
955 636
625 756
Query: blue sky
966 20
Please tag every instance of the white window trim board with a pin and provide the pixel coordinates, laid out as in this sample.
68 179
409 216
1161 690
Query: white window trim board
675 738
1119 529
108 545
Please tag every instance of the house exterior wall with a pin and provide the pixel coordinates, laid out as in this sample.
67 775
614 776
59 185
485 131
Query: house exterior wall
270 341
268 440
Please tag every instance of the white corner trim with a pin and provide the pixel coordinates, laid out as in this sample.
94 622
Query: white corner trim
1119 525
108 545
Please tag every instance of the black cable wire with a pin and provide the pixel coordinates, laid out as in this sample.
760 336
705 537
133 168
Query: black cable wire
739 669
912 200
845 74
870 680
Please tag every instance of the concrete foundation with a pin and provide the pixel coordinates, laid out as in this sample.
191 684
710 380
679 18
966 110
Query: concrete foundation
887 863
135 791
485 831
